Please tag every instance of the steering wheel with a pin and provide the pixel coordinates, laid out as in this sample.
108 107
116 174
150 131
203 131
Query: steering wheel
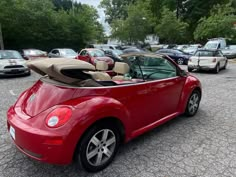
149 75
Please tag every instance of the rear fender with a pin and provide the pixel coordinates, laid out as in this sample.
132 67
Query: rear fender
88 110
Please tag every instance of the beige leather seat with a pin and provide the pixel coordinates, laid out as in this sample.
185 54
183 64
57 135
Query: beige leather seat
100 75
121 69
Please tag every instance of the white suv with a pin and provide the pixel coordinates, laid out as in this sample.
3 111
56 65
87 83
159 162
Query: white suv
204 59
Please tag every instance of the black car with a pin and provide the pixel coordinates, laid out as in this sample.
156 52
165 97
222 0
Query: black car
177 55
114 54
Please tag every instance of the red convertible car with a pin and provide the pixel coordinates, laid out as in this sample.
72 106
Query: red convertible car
74 113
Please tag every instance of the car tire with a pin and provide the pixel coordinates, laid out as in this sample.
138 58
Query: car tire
180 61
193 103
98 147
190 69
225 65
217 69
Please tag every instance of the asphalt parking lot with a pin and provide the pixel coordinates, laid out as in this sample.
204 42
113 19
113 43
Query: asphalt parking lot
202 146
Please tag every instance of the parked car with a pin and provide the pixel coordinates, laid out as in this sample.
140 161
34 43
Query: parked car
12 63
29 54
181 47
230 52
94 55
191 49
133 50
66 116
205 59
104 46
215 43
177 55
114 54
62 53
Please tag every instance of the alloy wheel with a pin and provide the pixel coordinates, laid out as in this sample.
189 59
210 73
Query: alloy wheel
193 103
180 61
101 147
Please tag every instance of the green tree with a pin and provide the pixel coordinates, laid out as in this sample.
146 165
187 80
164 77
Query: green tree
39 24
218 24
116 9
136 26
171 29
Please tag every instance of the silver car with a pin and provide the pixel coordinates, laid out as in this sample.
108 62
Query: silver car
62 53
12 63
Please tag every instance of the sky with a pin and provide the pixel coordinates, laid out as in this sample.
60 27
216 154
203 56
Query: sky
101 13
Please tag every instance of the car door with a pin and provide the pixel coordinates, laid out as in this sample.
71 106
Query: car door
165 88
84 56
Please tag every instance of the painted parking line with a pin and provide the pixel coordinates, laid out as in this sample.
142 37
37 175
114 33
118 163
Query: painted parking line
12 92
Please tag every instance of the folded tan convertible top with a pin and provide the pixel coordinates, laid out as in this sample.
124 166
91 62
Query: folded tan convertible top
62 69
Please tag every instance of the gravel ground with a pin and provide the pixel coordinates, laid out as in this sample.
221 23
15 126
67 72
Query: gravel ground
202 146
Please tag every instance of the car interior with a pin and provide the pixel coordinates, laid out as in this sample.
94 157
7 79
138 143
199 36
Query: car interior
82 74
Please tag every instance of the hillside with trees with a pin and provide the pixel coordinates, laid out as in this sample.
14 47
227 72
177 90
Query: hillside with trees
47 24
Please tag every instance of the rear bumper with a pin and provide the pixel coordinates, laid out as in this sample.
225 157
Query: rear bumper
38 143
202 66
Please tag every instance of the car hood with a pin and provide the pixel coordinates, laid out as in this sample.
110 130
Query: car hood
12 61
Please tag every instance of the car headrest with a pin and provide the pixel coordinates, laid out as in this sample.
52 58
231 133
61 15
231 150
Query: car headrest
62 69
101 66
121 68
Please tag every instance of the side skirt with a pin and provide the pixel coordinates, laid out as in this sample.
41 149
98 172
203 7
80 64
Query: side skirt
153 125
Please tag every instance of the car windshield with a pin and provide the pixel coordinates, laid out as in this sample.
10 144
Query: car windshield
68 52
211 45
10 55
33 52
96 53
205 53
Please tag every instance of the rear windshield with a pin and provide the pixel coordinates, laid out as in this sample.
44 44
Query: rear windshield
96 53
205 53
10 55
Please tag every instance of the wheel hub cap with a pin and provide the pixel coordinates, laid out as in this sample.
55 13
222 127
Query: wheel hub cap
193 103
101 147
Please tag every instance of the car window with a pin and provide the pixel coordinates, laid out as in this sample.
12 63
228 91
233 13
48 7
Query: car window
55 52
83 53
10 55
153 68
205 53
68 52
218 54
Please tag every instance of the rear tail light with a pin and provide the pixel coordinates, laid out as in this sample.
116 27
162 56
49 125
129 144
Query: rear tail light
214 60
58 117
